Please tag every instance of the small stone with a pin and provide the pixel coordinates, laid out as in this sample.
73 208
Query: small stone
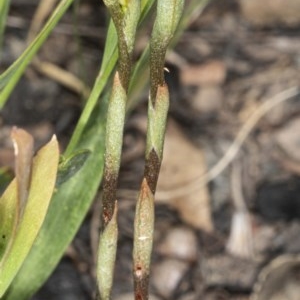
180 243
264 236
208 99
228 272
212 72
288 240
167 275
288 139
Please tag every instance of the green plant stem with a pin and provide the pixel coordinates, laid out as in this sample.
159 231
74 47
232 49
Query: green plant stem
113 147
125 20
167 19
157 119
106 256
143 241
124 63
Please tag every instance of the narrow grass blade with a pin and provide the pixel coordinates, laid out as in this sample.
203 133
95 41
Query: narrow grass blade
11 76
4 6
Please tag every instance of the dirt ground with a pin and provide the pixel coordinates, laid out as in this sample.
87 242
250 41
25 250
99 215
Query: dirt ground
232 233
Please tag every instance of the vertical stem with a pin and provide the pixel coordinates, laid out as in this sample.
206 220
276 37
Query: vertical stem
143 241
167 18
125 19
106 256
113 147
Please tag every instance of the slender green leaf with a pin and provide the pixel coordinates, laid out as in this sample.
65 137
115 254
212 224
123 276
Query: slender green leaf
11 76
4 6
44 170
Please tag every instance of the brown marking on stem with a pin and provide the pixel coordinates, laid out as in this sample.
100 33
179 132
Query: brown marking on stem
152 167
109 196
157 63
141 284
124 64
